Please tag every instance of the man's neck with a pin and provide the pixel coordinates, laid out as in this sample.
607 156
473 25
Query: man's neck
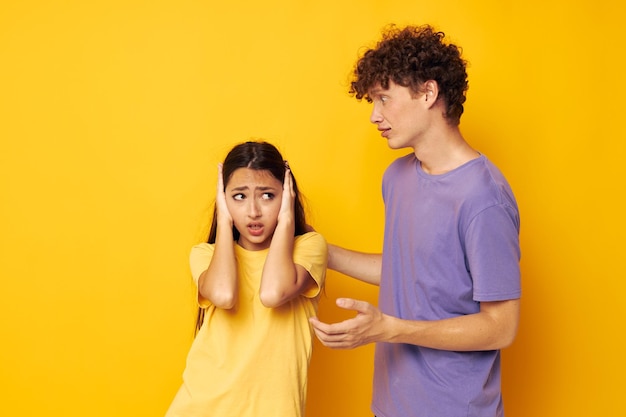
444 150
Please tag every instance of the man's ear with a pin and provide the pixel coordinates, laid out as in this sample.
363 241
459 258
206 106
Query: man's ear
431 92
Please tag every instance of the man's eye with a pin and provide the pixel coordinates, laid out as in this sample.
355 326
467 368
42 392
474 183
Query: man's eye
267 196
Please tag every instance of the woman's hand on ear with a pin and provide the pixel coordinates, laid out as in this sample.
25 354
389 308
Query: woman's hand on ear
223 215
289 196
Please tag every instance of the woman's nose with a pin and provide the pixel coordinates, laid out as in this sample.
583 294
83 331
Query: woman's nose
253 209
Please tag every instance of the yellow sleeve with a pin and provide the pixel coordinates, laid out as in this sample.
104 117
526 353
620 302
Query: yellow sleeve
199 260
311 252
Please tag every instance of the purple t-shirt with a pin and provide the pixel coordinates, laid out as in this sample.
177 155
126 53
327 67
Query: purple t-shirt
451 241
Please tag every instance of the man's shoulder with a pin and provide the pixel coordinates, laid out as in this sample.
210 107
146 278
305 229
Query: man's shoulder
402 162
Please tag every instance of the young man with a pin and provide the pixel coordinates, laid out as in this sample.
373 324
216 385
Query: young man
449 271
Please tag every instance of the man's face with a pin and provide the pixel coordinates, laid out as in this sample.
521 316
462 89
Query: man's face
400 115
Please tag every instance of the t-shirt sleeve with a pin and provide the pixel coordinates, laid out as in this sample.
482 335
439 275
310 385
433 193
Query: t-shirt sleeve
311 252
493 254
199 260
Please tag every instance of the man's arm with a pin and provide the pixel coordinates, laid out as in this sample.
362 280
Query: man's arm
494 327
365 267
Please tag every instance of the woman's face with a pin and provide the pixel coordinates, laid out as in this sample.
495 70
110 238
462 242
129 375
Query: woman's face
253 198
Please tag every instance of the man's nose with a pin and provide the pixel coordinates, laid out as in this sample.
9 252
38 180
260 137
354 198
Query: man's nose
376 117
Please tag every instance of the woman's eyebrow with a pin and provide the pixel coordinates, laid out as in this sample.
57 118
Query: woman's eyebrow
261 188
240 188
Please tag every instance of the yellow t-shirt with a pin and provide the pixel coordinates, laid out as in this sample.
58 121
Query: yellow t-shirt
252 361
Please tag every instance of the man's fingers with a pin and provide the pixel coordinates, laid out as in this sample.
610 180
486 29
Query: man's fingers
352 304
334 329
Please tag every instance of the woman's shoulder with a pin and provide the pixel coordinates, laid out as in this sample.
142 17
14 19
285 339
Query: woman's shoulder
201 248
312 237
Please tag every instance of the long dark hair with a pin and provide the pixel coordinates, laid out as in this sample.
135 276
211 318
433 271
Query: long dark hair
262 156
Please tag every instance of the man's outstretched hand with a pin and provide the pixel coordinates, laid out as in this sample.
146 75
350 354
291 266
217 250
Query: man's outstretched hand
368 326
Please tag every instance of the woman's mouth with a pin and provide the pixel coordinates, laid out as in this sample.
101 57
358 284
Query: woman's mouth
255 229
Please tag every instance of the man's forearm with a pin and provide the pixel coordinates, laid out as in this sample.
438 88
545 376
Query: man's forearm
365 267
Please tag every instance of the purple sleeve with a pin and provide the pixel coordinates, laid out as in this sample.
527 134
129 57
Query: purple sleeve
493 254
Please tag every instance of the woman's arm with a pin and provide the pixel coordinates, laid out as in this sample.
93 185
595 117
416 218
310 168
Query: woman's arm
218 283
283 280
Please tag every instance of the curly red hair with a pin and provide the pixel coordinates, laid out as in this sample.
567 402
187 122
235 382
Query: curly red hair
409 57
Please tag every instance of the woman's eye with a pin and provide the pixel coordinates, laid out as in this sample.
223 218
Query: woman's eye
238 197
267 196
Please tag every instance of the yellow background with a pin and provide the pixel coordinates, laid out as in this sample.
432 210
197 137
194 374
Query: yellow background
114 114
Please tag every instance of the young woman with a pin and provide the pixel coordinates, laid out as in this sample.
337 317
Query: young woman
259 277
